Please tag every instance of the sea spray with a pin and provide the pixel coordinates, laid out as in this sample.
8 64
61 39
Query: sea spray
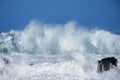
57 52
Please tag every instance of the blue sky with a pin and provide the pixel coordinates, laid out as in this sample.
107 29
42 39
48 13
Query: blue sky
104 14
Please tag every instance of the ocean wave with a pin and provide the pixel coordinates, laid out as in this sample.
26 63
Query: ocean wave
39 38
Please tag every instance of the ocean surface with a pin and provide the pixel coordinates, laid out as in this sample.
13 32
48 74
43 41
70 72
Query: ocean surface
57 52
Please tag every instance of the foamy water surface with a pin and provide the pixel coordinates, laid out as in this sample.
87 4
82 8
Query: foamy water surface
57 52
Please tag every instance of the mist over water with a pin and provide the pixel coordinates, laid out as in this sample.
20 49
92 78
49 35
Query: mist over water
58 52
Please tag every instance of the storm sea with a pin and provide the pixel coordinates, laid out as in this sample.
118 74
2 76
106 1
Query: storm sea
57 52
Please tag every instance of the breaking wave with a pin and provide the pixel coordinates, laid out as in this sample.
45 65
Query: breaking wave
38 38
57 52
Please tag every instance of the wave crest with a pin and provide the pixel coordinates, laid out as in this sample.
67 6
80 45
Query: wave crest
38 38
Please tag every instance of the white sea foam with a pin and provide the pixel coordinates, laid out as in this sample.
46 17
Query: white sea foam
57 52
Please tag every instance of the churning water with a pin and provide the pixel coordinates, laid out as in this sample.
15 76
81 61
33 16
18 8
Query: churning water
57 52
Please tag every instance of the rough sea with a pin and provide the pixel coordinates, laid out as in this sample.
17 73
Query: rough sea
57 52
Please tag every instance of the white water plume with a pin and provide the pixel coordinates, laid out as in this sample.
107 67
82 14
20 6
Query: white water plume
57 52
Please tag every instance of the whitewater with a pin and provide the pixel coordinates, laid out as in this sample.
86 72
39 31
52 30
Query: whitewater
68 51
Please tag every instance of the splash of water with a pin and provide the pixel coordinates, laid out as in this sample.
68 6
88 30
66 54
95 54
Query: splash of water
55 39
56 51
